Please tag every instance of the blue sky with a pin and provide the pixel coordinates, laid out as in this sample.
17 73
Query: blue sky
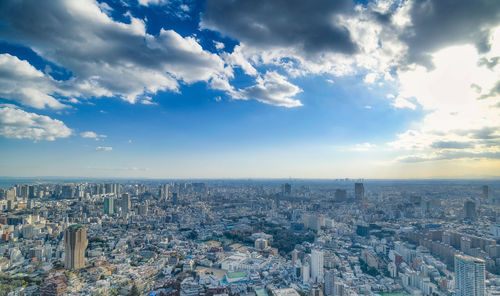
220 89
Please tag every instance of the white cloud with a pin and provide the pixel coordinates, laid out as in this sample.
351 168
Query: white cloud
106 57
103 148
400 102
22 83
152 2
92 135
19 124
219 45
370 78
273 89
455 117
364 147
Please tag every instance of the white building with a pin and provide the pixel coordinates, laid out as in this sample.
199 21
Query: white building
469 276
317 262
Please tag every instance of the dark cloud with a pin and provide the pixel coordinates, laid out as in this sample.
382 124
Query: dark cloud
489 63
451 145
485 133
305 25
495 91
440 23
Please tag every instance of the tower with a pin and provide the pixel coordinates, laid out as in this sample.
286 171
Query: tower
316 264
125 203
164 192
329 283
108 206
75 242
486 192
286 189
469 276
470 210
359 191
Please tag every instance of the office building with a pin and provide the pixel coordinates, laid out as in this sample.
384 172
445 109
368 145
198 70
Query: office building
108 206
75 242
164 192
286 189
470 210
359 191
486 191
469 276
330 283
67 191
126 203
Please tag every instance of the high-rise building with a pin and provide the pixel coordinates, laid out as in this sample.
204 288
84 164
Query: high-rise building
330 283
109 205
295 256
31 191
175 199
316 264
359 191
469 276
486 191
126 203
306 271
470 210
67 191
75 242
164 192
286 189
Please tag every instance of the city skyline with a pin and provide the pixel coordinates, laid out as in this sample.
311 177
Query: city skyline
215 89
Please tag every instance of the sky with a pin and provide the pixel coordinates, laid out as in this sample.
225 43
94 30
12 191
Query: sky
250 89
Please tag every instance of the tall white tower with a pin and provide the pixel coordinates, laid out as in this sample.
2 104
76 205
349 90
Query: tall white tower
469 276
316 265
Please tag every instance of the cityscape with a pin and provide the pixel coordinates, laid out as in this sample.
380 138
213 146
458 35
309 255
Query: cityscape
251 237
250 147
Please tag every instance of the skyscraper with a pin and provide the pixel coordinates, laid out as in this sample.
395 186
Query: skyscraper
286 189
486 191
108 206
306 271
359 191
469 276
174 198
75 242
470 210
316 264
126 203
164 192
330 283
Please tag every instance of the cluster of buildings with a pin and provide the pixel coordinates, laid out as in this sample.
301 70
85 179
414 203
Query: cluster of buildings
332 238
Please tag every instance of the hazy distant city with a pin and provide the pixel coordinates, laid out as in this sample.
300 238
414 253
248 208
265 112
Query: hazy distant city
250 237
